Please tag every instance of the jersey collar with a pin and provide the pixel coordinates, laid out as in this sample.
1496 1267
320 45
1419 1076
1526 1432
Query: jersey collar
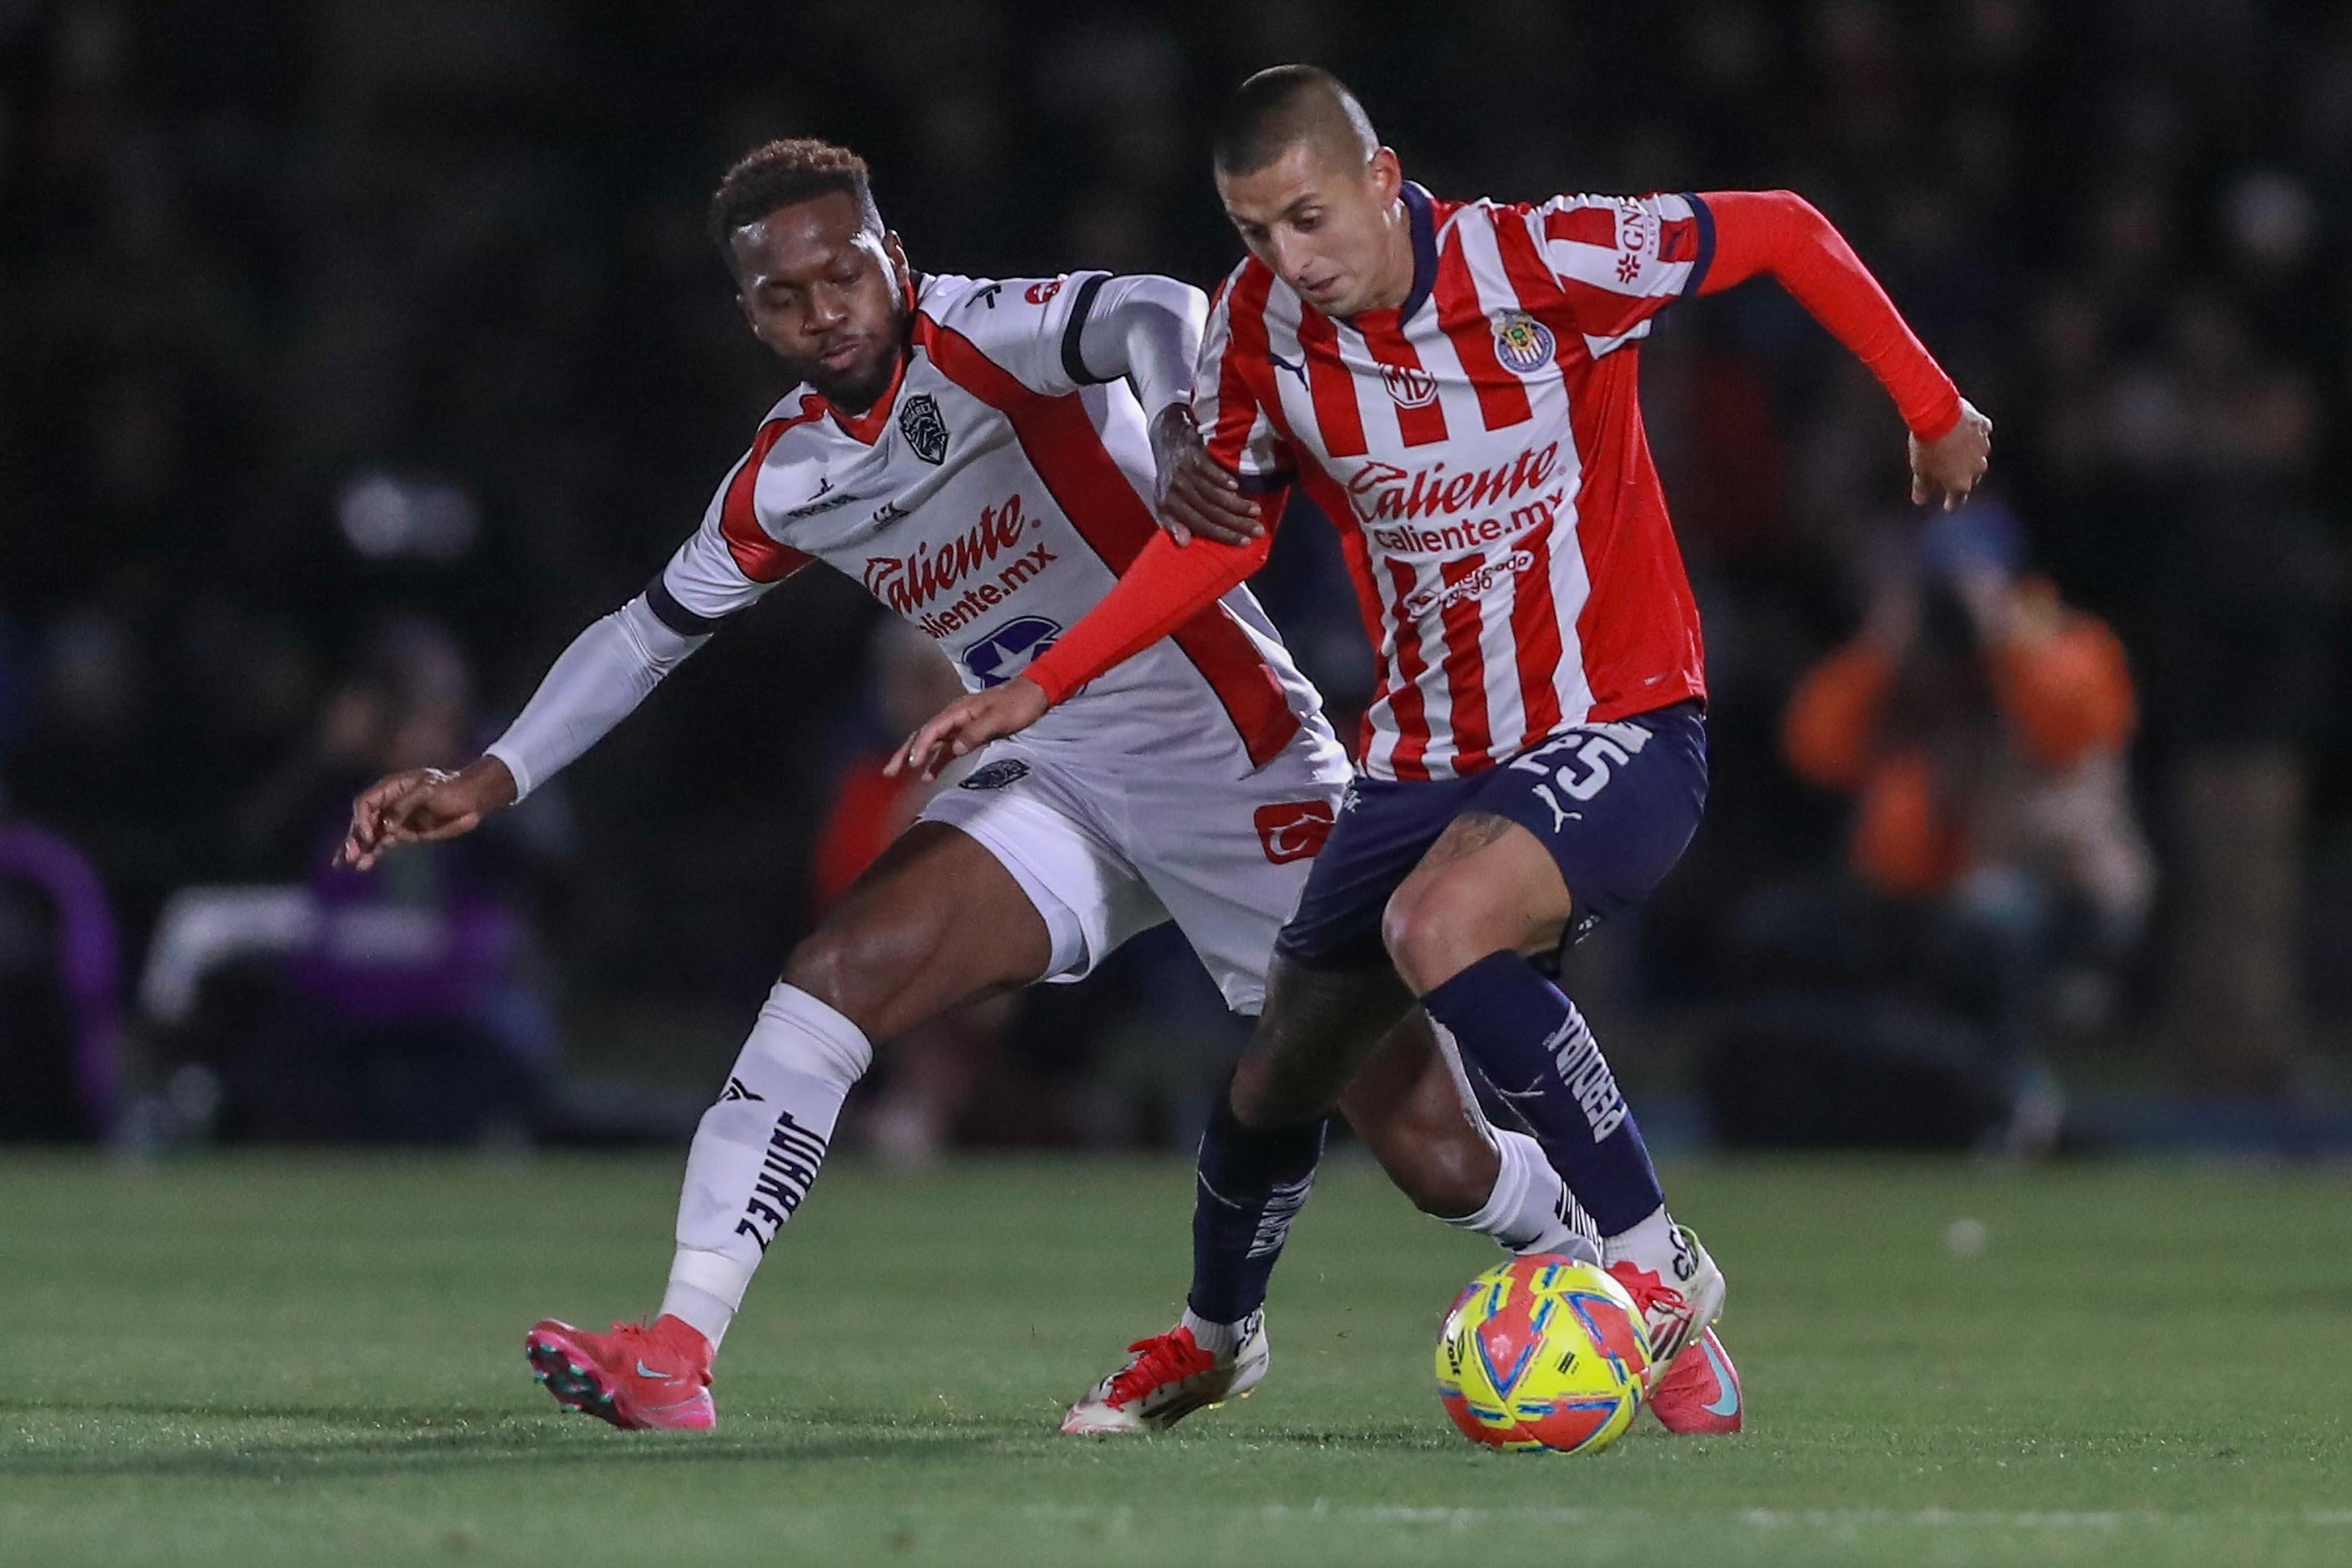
1424 223
867 428
1424 248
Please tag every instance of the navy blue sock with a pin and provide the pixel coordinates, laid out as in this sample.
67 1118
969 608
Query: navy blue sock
1535 1048
1251 1183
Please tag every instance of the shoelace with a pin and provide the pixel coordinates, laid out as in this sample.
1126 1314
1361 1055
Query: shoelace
1162 1358
1650 1291
1652 1295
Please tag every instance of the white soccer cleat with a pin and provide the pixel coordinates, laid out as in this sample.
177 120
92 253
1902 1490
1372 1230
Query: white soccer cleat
1675 1313
1169 1377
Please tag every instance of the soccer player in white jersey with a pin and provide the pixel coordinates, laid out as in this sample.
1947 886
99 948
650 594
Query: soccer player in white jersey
1453 384
975 453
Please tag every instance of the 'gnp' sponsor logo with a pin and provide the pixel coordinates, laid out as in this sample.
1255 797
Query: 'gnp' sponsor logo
1489 576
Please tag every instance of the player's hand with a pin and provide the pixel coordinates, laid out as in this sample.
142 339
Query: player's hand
967 723
423 805
1192 494
1951 465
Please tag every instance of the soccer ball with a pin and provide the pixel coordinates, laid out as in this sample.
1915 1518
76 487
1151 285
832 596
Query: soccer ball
1542 1353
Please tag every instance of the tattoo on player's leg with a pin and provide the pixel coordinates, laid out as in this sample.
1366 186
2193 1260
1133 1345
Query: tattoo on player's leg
1466 835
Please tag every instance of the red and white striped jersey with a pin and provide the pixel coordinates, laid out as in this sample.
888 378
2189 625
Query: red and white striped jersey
991 497
1480 451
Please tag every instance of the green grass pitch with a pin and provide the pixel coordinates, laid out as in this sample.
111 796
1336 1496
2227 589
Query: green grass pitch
300 1359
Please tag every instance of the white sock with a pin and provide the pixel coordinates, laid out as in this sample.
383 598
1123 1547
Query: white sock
1220 1340
1649 1245
1530 1210
757 1152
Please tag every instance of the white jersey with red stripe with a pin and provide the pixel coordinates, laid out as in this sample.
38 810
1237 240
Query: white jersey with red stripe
1480 451
991 496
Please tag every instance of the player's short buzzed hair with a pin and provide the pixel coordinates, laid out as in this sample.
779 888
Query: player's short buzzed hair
778 173
1279 108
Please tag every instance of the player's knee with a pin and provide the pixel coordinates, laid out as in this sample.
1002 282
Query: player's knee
844 969
1430 929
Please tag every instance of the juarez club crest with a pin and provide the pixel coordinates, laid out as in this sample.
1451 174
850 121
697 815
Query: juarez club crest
1523 343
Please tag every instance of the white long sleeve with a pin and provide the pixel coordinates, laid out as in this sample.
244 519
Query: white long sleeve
1147 328
596 683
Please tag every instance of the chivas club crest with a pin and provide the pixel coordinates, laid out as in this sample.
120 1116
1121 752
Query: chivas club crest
927 433
1523 343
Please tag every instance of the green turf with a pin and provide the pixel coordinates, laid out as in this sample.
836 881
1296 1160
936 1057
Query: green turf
287 1359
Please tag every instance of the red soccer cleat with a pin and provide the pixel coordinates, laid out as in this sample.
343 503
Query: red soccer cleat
1168 1378
638 1376
1700 1392
1674 1313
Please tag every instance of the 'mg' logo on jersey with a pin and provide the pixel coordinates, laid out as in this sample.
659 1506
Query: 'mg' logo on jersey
926 431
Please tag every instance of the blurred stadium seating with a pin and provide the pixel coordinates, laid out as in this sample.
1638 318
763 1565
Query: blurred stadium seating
321 323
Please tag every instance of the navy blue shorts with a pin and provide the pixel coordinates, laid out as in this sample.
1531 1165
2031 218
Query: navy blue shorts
1615 803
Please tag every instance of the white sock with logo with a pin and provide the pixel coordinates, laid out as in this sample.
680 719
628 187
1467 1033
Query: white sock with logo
1220 1340
1530 1210
1649 1245
757 1152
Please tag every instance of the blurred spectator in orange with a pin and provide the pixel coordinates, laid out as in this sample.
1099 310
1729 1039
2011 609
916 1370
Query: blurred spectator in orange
1980 725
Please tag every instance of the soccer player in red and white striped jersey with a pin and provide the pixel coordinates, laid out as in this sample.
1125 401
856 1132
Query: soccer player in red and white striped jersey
974 452
1454 384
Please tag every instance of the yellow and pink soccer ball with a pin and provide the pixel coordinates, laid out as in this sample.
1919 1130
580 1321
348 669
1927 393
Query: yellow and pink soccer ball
1543 1352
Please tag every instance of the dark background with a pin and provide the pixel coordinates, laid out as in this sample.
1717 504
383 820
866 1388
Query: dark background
257 258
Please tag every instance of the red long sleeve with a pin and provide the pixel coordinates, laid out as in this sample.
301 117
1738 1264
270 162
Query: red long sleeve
1165 587
1781 233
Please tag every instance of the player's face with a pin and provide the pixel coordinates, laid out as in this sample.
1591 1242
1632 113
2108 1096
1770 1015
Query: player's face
827 294
1336 234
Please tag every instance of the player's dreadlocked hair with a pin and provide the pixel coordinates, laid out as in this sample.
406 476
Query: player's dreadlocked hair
778 173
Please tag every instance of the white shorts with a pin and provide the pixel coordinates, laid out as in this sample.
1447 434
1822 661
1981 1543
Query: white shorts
1108 846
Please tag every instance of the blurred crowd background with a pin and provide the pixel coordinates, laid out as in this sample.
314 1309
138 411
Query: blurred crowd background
353 356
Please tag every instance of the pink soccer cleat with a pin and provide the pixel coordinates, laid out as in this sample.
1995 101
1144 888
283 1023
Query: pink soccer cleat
638 1376
1700 1392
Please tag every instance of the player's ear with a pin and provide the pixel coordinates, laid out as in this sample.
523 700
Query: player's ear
897 254
1386 173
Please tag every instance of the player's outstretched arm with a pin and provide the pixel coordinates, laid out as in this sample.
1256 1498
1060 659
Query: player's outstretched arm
596 683
420 806
1781 233
1949 467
